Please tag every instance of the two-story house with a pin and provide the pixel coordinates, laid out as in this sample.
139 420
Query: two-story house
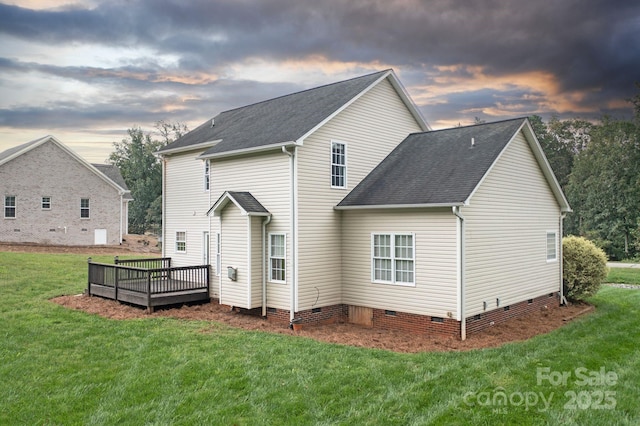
338 202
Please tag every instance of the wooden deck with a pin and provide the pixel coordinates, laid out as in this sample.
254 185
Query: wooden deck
148 286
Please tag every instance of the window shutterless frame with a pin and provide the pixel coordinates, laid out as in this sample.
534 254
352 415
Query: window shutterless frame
552 246
338 164
10 208
181 241
393 258
277 257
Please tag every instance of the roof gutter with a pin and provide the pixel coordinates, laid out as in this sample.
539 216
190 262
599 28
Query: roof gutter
398 206
263 148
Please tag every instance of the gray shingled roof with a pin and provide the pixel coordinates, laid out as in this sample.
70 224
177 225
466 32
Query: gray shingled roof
434 168
244 200
113 173
279 120
9 152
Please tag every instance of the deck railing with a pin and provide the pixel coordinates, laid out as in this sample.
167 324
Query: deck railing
132 276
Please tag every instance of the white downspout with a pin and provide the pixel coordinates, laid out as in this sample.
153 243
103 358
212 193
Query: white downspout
463 323
563 300
265 253
164 206
121 214
292 218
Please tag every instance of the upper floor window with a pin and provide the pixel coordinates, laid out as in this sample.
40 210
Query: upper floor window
10 206
552 246
338 165
84 208
393 258
206 175
46 203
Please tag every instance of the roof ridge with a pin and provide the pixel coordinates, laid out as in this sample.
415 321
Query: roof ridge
305 90
472 125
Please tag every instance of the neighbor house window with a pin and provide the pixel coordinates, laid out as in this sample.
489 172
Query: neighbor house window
46 203
338 165
206 175
552 246
393 258
277 258
10 206
84 208
181 242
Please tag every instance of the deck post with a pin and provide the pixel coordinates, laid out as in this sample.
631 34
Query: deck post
115 271
89 277
149 307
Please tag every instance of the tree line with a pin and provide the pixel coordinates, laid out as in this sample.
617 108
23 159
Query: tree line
598 167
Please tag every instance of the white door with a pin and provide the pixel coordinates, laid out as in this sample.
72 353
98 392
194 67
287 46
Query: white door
205 248
100 236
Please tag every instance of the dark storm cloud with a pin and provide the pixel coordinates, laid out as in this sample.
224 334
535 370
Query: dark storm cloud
588 45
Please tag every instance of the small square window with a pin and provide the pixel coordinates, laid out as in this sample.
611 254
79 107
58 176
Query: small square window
46 203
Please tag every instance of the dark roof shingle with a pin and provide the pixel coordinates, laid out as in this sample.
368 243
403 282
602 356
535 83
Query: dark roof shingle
434 168
279 120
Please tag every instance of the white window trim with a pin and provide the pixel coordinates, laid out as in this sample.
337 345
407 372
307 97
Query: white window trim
345 165
85 208
393 259
175 248
42 203
269 269
15 207
207 176
555 245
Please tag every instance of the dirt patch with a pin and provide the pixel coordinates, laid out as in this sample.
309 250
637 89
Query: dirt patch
132 243
513 330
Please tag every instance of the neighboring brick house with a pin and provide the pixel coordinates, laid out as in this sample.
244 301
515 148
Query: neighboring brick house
51 195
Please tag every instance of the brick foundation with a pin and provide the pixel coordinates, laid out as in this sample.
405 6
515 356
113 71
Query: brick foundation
487 319
413 323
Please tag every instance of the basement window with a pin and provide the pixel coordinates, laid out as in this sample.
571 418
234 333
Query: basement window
316 310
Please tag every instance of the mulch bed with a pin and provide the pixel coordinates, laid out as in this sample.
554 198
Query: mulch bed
516 329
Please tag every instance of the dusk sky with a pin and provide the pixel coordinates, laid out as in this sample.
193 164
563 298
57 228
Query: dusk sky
85 71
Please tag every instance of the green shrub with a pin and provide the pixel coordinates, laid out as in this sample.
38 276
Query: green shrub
584 267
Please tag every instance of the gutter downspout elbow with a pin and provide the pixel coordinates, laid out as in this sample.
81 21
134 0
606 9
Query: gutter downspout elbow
463 324
264 264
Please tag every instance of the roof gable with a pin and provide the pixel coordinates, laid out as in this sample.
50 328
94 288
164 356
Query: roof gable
109 177
247 203
283 120
442 168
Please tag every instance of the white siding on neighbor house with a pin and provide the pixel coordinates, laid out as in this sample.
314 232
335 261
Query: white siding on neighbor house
234 254
436 284
506 230
370 127
186 206
267 178
49 171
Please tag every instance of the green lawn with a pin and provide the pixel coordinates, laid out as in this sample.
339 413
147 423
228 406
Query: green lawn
59 366
624 276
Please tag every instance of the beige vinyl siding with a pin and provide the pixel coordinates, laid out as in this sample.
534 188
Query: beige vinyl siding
506 229
256 262
435 290
234 254
186 206
370 128
267 177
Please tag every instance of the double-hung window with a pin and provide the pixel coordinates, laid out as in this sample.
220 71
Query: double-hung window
338 165
10 206
393 258
552 246
84 208
277 258
181 242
